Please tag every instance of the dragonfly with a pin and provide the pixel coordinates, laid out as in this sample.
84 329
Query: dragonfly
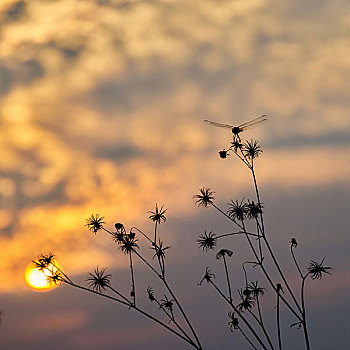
238 129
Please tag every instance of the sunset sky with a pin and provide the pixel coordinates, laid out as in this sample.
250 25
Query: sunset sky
101 110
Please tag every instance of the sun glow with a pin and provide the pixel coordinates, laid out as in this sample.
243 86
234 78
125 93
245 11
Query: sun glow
37 279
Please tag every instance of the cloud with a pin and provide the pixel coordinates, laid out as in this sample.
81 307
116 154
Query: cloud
102 106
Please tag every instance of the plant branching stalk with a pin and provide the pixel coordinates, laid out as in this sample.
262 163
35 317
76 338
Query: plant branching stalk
262 267
268 245
251 244
222 212
172 318
144 235
182 311
119 294
240 315
248 340
131 306
281 273
173 296
260 323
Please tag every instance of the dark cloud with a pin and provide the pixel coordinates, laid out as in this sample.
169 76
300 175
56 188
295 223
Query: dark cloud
126 93
14 12
6 79
118 153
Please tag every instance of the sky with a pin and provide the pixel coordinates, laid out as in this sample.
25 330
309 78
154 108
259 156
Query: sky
101 109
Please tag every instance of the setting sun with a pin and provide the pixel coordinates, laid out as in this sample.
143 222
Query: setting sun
37 279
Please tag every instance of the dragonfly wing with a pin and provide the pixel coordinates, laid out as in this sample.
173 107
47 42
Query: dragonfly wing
220 125
254 123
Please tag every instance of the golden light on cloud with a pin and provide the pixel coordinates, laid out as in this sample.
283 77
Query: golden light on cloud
127 128
38 279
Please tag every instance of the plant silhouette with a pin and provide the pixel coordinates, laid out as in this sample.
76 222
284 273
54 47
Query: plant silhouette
247 219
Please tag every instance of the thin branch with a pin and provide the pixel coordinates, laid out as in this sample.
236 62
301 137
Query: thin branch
295 261
240 315
227 279
278 321
222 212
304 311
248 340
132 279
131 306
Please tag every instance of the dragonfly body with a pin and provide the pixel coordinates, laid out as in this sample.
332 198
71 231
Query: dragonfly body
238 129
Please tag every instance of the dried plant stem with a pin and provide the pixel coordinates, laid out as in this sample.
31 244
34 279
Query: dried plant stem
261 265
278 321
236 234
304 311
155 232
132 279
222 212
144 235
240 315
172 318
182 311
248 340
281 273
261 324
295 261
119 294
268 245
172 294
245 271
132 306
258 229
227 279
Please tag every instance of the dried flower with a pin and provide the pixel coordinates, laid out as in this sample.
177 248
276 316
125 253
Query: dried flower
223 252
168 304
118 236
251 149
246 304
254 209
119 226
317 269
43 262
294 242
158 215
236 145
95 223
99 280
234 321
223 154
255 290
150 294
207 276
207 241
159 250
205 197
246 292
55 278
128 244
237 210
